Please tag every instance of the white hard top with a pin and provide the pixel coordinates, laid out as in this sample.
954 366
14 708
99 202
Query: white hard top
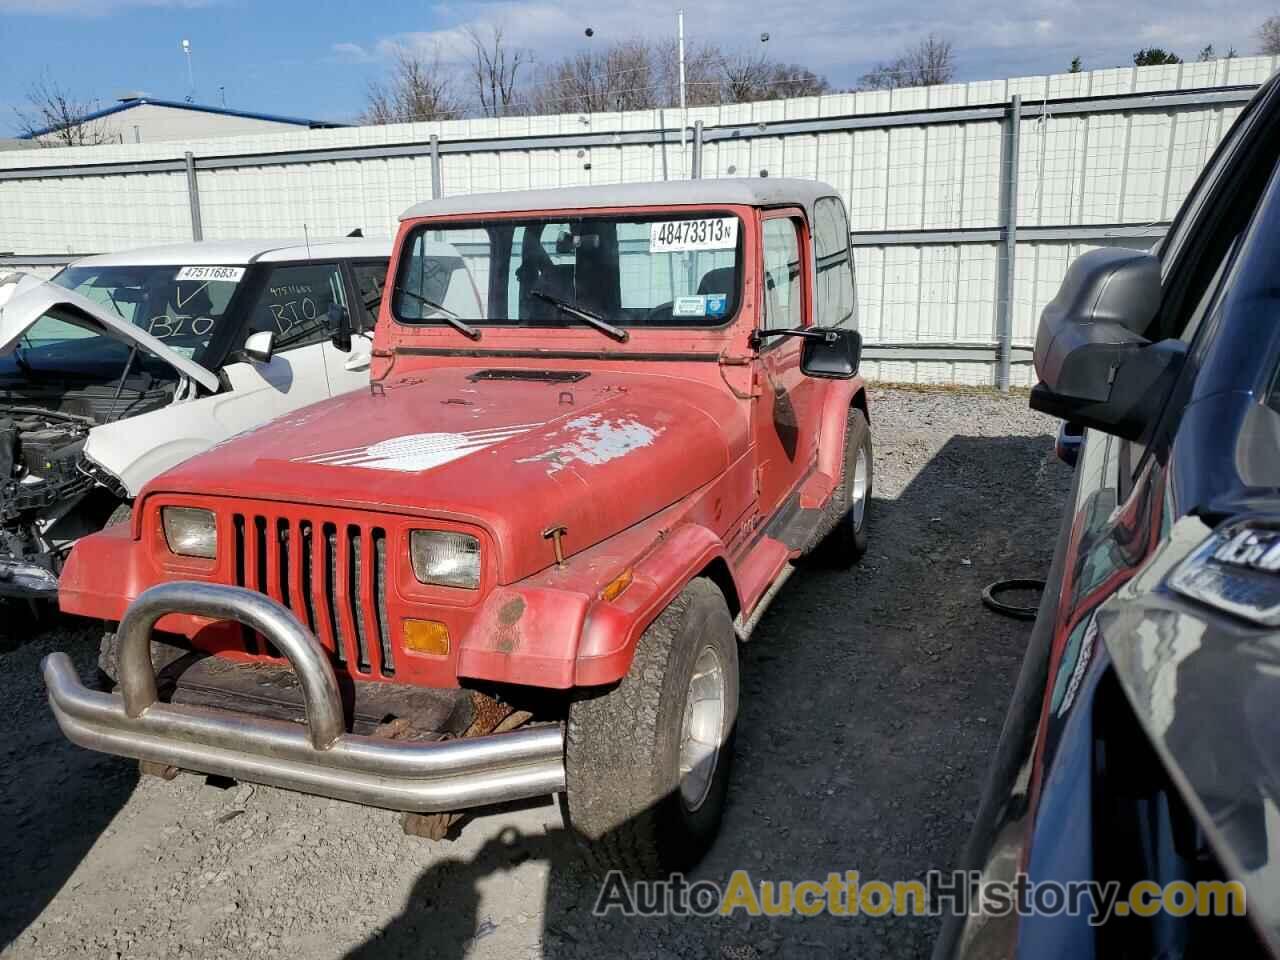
233 253
750 191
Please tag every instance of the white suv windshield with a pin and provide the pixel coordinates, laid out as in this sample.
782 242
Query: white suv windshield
666 269
180 305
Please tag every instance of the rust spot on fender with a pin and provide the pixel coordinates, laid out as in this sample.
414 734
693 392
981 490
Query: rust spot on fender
511 611
507 635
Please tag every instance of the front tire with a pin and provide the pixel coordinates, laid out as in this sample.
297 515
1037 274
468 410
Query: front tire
647 764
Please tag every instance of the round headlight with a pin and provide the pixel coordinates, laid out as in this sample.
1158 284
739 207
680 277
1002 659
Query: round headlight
190 531
445 559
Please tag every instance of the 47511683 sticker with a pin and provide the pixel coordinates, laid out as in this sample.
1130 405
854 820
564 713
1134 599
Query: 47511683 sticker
228 274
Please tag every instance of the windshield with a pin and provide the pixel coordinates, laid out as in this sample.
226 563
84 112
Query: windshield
181 306
661 269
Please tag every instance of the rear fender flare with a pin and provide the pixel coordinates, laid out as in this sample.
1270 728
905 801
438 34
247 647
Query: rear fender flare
841 397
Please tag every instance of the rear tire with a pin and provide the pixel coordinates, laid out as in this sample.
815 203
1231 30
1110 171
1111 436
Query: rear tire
851 501
645 789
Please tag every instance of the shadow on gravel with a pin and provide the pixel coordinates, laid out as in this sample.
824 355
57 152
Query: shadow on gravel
871 703
55 798
442 916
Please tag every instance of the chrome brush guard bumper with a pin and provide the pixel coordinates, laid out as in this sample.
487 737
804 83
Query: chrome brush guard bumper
317 757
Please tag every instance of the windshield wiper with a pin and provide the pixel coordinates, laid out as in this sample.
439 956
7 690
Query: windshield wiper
599 322
451 318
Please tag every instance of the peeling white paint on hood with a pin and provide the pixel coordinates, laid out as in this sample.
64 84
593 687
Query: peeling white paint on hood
595 439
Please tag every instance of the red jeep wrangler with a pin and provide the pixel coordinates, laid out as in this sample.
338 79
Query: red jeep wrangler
520 563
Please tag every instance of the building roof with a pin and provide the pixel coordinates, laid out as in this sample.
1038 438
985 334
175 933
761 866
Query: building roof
749 191
131 102
232 253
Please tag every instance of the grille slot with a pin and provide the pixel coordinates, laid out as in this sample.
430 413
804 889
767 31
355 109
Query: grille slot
354 598
306 571
379 538
332 576
248 637
330 549
285 545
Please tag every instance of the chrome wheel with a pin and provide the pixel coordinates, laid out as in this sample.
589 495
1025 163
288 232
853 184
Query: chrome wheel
703 729
858 491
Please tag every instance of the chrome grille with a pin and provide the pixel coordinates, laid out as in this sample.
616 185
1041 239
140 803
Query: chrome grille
336 583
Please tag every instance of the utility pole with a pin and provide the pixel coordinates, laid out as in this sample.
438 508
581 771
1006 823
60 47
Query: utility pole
684 112
191 77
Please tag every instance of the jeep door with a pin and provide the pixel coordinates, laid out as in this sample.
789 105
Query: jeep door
785 409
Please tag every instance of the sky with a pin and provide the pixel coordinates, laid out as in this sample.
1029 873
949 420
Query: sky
315 58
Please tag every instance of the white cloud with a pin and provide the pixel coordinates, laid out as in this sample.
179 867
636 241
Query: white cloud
351 53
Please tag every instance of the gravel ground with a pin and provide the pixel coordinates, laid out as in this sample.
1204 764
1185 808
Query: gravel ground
872 701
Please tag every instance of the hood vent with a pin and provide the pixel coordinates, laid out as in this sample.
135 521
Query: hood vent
531 376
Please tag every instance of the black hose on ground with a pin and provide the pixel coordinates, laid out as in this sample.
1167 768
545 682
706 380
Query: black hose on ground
992 591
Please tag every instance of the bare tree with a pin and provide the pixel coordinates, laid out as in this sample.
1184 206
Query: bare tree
54 118
619 78
929 63
419 88
703 73
755 77
1269 36
633 74
745 75
494 72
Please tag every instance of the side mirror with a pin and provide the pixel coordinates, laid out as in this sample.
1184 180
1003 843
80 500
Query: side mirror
340 327
1094 366
833 354
259 346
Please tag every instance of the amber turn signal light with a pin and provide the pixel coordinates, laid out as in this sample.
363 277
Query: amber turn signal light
613 589
426 636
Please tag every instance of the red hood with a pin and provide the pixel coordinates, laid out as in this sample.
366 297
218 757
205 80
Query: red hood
516 457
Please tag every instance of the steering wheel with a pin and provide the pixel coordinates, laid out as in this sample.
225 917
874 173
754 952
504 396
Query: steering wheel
661 314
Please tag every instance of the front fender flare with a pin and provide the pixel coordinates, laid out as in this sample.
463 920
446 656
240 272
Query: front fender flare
559 638
613 628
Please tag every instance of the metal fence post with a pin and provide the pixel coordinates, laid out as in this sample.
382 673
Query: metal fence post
1004 317
696 171
435 167
193 197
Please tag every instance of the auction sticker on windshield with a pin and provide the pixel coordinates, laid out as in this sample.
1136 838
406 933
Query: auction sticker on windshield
676 236
232 274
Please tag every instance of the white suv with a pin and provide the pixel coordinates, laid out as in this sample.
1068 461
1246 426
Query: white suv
125 364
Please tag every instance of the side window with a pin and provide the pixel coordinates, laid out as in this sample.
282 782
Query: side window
834 304
371 278
1183 221
783 300
294 303
1217 211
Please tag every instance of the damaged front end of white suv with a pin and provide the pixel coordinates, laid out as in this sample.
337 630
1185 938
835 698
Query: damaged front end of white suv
68 366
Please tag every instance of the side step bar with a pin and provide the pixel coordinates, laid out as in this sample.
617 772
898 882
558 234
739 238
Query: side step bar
744 628
318 757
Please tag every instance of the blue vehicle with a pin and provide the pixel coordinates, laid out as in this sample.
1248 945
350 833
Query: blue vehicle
1143 739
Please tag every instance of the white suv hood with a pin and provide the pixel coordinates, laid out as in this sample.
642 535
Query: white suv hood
24 299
